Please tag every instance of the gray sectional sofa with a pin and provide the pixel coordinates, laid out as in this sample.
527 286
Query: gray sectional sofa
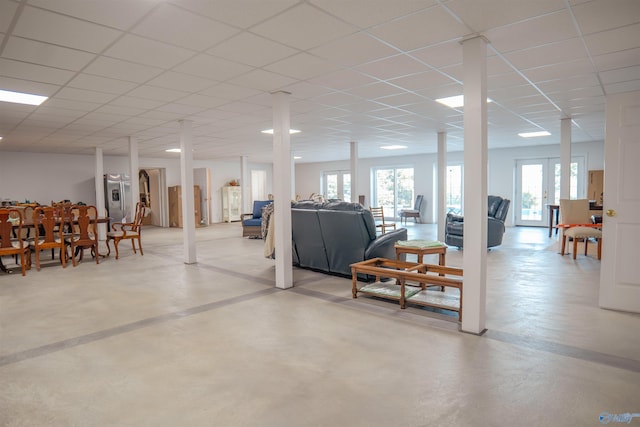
329 237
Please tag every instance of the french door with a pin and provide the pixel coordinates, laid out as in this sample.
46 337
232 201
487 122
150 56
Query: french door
538 185
393 190
337 185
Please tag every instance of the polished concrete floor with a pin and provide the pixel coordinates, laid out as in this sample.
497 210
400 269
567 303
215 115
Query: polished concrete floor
150 341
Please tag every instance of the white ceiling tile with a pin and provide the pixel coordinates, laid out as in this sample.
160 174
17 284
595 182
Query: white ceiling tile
556 71
176 26
147 52
301 66
156 93
7 10
250 49
229 92
377 11
46 54
212 68
240 13
182 109
303 27
82 95
354 49
566 50
107 13
622 87
613 40
205 102
342 80
620 75
33 72
601 15
133 102
624 58
542 30
428 27
122 70
262 80
181 81
440 55
101 84
62 30
481 15
375 90
393 67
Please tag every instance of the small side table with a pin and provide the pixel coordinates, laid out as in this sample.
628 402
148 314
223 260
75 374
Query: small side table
420 251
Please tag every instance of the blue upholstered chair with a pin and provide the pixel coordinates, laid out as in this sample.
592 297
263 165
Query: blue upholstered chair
252 222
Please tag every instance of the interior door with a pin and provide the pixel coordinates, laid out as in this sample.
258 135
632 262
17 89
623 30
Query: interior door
619 278
532 192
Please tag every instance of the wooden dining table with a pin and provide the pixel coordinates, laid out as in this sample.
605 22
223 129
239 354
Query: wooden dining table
28 224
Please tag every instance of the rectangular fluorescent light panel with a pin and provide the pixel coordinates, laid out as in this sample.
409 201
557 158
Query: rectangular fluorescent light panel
454 101
270 131
534 134
173 150
21 98
393 147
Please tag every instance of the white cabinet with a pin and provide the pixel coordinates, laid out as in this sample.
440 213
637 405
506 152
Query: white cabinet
231 203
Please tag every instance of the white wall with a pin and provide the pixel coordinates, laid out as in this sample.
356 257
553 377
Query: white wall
43 177
501 171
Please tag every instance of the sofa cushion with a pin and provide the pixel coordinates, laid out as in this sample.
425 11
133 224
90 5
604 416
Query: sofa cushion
345 238
252 222
257 208
308 242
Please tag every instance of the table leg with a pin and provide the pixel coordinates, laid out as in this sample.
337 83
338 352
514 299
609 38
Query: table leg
354 281
402 304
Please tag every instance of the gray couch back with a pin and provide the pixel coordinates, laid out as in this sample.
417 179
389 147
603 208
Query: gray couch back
331 236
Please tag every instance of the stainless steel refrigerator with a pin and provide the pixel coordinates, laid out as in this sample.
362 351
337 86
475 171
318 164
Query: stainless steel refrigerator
117 194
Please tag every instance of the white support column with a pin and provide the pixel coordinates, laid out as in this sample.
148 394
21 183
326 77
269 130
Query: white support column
293 177
442 184
188 200
354 171
565 159
100 203
133 173
282 189
474 57
244 182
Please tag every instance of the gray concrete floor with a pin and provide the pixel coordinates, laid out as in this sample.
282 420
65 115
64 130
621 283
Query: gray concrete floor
150 341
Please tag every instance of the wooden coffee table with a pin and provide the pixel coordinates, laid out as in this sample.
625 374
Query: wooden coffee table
423 275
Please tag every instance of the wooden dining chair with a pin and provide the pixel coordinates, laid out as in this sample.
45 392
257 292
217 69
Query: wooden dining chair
11 220
127 231
48 233
378 217
84 232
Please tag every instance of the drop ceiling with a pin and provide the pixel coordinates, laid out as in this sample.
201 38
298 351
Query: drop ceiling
357 70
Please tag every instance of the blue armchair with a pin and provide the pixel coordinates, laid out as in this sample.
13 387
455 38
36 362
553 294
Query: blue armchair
252 222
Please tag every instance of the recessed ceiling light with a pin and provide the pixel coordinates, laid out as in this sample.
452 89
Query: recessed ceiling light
21 98
454 101
0 138
173 150
270 131
534 134
393 147
297 157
